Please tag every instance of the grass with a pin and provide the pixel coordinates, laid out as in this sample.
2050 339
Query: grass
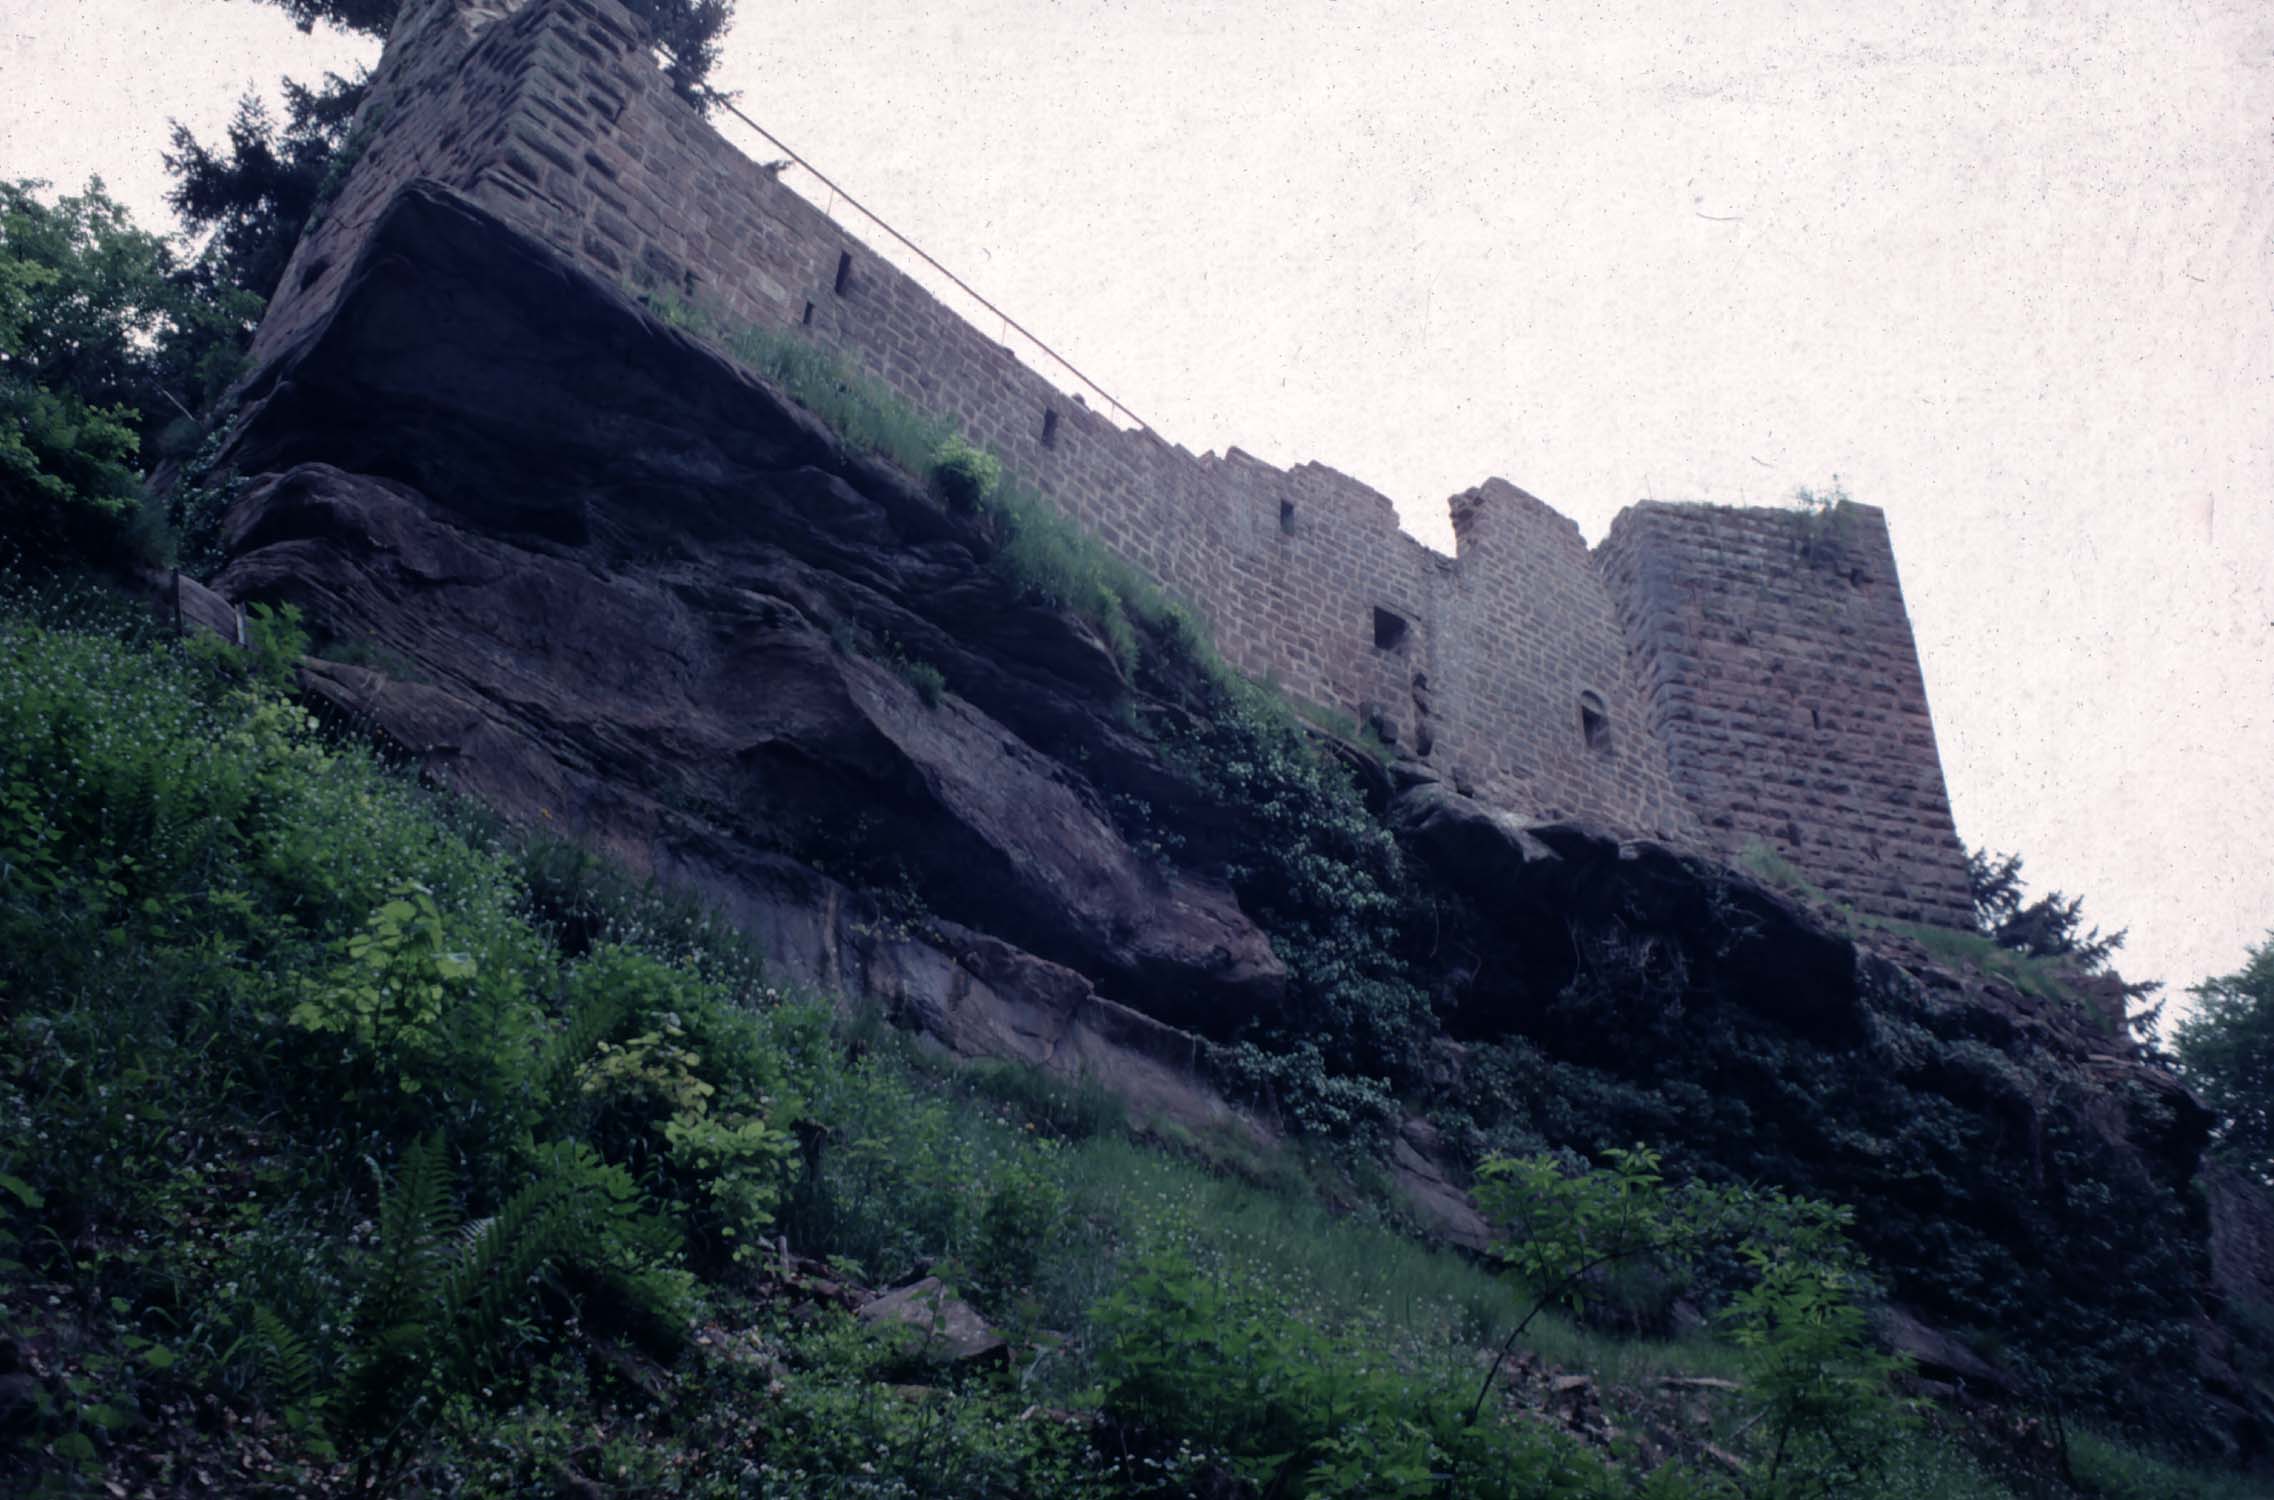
1042 551
1763 862
2038 977
862 411
194 1168
2109 1470
2042 978
380 658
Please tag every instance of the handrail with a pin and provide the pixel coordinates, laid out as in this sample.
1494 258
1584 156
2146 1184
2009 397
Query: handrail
726 103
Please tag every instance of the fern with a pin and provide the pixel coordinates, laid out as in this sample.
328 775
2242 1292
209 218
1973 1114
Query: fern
288 1367
439 1292
414 1226
600 1015
394 1319
579 1210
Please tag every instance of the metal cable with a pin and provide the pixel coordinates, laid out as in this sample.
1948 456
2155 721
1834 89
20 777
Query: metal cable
728 104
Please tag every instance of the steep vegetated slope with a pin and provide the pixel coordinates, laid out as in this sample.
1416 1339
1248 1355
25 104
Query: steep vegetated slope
924 759
930 752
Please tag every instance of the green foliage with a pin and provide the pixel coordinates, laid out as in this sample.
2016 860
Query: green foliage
1313 864
2062 1251
1824 521
1038 548
1829 1421
2109 1470
1301 1091
2027 972
1294 1410
198 503
965 476
2047 927
685 1091
1822 1393
2050 928
211 923
2225 1049
391 986
439 1297
104 341
224 947
929 681
1326 880
254 193
690 31
1759 859
834 1427
864 413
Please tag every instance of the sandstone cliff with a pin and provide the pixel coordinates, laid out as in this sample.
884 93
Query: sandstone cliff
575 563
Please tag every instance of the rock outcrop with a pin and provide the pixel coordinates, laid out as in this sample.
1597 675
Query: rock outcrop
575 563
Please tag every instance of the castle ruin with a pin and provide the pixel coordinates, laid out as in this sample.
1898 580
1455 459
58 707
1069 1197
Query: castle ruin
1711 676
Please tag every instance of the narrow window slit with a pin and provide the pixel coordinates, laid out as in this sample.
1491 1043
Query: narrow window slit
844 270
1594 722
1049 427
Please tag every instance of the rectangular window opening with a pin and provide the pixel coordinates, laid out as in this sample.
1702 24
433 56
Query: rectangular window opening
1594 722
1389 630
1049 428
844 270
808 318
1287 524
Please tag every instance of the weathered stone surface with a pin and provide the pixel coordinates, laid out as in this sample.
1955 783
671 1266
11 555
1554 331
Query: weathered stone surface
1484 663
1779 671
593 620
2242 1237
1480 846
1535 880
189 606
953 1332
629 592
1941 1357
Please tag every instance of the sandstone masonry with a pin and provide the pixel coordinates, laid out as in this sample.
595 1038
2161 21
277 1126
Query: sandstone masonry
1698 681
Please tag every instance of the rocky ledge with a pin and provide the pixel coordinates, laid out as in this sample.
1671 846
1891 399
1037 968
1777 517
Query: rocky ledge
579 565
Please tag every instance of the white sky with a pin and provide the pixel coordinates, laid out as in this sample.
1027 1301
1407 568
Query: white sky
2007 270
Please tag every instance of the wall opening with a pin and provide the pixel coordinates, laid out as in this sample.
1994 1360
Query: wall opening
808 318
1049 427
1287 516
1594 722
1389 629
844 271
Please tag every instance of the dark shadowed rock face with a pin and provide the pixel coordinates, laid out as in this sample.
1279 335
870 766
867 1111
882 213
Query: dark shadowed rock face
616 587
660 609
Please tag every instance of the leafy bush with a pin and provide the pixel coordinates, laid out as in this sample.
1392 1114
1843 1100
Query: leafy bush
2226 1050
929 681
105 343
211 922
1217 1361
965 476
1326 880
1822 1392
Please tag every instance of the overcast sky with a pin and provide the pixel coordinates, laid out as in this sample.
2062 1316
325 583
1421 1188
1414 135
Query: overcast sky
2006 270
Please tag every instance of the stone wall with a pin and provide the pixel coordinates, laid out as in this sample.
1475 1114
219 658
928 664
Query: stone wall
1515 667
1781 676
